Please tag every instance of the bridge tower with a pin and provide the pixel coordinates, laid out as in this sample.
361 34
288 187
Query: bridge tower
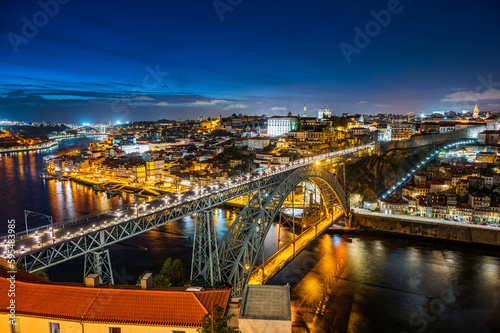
205 261
98 262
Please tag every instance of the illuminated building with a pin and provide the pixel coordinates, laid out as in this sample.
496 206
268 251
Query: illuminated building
476 111
279 125
153 169
324 113
401 131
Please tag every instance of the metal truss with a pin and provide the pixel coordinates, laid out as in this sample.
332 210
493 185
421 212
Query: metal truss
35 257
243 241
47 256
205 260
98 262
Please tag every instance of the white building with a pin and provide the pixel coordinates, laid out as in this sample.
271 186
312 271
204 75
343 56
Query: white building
279 125
324 113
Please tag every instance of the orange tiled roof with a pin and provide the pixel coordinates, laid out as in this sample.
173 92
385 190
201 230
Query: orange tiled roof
107 305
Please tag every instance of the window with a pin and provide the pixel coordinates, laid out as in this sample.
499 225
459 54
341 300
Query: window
54 328
115 330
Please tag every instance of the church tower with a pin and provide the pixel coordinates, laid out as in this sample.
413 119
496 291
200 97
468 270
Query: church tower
476 111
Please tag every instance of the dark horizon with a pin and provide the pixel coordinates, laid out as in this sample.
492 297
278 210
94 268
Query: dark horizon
76 62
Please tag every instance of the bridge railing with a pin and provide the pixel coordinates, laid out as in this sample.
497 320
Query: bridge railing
65 223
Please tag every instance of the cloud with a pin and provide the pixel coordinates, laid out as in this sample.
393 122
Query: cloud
279 108
235 106
259 102
15 93
212 102
162 104
470 96
362 102
382 106
144 99
494 105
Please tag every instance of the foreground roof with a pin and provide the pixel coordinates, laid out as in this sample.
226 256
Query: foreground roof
109 305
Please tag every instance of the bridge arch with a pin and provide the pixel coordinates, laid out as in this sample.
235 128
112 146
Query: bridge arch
244 239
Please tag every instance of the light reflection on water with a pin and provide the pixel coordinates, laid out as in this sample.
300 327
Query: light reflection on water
364 284
23 189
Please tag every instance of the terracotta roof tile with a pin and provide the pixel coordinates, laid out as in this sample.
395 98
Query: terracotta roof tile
215 296
107 305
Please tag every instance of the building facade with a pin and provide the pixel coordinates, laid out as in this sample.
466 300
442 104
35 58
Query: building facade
279 125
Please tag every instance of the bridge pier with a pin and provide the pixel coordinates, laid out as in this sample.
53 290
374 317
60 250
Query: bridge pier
98 262
205 261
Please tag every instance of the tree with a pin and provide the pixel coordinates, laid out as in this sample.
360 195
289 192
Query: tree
216 323
43 274
174 271
336 121
171 274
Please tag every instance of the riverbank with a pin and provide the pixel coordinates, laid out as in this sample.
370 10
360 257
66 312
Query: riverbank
16 149
111 187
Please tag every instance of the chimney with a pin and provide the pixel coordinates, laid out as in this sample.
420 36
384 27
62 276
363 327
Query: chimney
147 281
92 280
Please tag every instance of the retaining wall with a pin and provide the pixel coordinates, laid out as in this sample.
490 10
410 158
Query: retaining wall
404 225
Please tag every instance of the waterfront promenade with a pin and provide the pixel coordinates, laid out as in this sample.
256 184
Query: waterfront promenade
16 149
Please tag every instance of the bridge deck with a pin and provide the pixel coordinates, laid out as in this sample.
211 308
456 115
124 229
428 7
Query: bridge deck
275 263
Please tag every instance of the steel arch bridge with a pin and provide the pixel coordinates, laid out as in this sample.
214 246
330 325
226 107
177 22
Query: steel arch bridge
54 244
244 239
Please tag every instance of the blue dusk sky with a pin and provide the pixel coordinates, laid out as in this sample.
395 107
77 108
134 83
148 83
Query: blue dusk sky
108 61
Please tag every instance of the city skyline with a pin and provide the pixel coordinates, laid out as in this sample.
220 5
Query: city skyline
70 62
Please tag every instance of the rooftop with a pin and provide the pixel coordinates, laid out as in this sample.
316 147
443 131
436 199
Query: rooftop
266 302
135 306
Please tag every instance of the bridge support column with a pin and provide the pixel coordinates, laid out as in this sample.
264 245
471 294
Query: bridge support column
205 261
98 262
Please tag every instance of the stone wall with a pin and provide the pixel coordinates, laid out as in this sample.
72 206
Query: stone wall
404 225
424 140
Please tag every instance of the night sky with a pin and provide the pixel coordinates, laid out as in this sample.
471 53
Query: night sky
104 61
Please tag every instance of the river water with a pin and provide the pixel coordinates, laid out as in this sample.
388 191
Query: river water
339 283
